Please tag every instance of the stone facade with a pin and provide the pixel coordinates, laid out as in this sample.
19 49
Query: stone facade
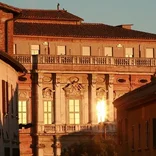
62 74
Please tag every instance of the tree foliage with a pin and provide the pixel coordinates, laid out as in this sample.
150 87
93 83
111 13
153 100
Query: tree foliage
97 146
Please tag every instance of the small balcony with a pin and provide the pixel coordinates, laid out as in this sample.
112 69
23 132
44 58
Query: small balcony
86 63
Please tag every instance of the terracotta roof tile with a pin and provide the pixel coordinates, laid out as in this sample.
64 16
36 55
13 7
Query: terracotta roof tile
83 30
10 8
48 14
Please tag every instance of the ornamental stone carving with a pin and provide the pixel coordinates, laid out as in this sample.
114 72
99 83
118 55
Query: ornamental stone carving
101 92
23 94
47 92
73 88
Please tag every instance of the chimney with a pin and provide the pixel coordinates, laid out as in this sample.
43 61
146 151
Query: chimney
58 6
125 26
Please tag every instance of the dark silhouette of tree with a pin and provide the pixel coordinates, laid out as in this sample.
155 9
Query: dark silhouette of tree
97 146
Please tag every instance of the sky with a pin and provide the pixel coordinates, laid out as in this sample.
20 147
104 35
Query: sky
140 13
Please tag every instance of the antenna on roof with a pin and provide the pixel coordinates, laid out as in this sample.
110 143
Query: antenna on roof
58 6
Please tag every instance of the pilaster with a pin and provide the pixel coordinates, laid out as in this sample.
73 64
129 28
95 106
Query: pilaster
58 99
110 99
40 108
93 99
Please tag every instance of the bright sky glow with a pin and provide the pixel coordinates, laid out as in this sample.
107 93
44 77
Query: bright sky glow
141 13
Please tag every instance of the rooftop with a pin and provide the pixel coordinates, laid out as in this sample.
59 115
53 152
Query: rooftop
83 30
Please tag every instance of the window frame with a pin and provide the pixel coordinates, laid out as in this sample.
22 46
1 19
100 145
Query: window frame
107 51
127 54
68 113
61 51
22 112
148 56
51 119
35 49
84 48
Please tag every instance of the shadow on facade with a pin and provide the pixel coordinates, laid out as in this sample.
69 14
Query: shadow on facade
70 142
9 135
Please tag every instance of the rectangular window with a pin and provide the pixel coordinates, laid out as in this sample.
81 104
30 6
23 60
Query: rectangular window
147 134
139 136
22 112
133 137
74 111
61 50
5 101
35 49
129 52
47 112
108 51
86 51
149 53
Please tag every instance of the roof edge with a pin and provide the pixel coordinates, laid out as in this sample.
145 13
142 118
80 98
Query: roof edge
12 62
10 8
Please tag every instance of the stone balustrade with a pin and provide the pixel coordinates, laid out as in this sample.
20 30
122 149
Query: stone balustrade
84 60
89 128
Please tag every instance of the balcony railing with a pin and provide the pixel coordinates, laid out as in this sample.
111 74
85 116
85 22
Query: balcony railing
84 60
89 128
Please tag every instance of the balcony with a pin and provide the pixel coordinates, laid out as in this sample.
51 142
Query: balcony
110 128
86 63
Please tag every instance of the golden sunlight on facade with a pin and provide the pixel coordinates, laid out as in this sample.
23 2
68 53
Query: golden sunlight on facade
101 108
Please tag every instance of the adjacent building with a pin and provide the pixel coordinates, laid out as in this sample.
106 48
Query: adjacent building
75 71
10 70
136 121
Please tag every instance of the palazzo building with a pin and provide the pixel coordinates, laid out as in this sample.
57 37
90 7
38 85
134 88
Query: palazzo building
75 71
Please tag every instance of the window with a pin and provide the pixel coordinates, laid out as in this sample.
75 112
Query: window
149 53
139 136
22 112
133 137
108 51
35 49
154 133
86 51
147 134
129 52
47 112
61 50
5 101
74 111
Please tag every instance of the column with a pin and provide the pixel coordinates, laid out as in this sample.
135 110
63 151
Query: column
110 99
40 120
93 99
58 99
40 104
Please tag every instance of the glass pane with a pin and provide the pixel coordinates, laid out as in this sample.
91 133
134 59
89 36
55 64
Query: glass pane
108 51
129 52
61 50
76 107
49 118
71 106
49 106
71 118
149 53
24 108
45 106
45 118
